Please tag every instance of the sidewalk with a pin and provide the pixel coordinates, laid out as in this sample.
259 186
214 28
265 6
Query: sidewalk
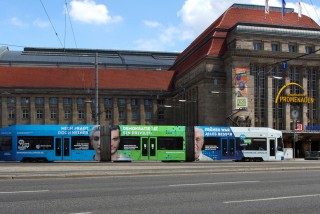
17 170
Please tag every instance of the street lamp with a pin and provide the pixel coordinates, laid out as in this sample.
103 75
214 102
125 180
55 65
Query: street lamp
96 89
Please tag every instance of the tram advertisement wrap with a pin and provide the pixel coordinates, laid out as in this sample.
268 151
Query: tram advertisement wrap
139 142
212 142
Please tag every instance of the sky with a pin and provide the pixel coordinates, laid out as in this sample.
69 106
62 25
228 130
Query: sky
139 25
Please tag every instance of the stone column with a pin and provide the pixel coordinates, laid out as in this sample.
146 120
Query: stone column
4 112
269 102
47 112
60 111
18 110
128 111
33 112
142 112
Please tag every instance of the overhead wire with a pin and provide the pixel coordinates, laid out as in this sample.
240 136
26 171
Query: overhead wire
74 37
65 28
314 8
51 23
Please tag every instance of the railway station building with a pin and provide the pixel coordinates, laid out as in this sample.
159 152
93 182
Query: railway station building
247 69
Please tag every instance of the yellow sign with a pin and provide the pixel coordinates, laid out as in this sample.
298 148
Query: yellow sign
293 98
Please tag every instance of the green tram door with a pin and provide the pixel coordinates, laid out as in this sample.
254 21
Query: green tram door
149 148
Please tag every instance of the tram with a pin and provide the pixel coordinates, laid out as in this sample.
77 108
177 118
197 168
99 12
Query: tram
140 143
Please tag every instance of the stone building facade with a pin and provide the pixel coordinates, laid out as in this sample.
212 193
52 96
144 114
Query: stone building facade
231 74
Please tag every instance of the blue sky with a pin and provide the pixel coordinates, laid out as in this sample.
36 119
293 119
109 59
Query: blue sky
142 25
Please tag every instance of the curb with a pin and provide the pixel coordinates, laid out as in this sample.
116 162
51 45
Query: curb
47 175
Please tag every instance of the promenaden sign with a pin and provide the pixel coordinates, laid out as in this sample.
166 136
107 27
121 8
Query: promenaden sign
293 98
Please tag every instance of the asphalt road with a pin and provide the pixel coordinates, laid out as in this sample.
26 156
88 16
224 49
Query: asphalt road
17 170
282 192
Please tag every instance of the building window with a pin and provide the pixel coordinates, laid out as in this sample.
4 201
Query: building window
122 115
39 100
148 115
135 115
11 113
160 115
93 114
93 101
292 48
25 113
53 101
39 113
160 102
81 114
25 100
67 101
80 101
53 114
134 102
257 45
67 114
147 102
121 102
108 101
309 49
108 114
11 101
275 46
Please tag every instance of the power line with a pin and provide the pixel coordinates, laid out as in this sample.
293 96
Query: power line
51 23
74 37
65 28
314 10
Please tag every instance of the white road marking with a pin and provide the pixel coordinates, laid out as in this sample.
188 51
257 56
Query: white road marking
218 183
82 213
33 191
270 199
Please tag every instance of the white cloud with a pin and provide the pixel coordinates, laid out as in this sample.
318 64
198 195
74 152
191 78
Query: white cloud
89 11
148 45
152 24
41 23
17 22
197 15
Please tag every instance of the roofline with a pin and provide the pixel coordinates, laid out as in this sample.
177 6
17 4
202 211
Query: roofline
261 7
273 26
94 51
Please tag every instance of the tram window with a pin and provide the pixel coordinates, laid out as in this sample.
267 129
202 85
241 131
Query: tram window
5 143
35 143
80 143
129 143
280 144
170 143
254 144
211 143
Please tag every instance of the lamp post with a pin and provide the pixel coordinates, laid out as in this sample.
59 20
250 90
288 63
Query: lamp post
96 90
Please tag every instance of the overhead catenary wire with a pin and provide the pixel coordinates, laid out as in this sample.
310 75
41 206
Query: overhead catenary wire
314 9
51 23
74 37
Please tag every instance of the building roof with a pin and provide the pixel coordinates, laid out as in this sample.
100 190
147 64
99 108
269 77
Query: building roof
86 57
83 78
212 42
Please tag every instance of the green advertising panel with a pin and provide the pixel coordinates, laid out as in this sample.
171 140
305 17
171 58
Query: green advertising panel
144 142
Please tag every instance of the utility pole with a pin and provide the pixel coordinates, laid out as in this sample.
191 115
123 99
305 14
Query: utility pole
96 89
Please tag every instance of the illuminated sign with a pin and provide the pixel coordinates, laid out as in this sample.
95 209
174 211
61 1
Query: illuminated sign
293 98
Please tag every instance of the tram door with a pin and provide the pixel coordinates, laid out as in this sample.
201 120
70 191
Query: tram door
149 148
228 148
272 148
62 148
